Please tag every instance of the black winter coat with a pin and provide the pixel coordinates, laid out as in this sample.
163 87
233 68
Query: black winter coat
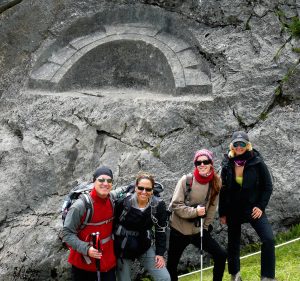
238 201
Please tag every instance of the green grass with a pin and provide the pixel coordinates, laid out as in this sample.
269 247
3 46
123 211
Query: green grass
287 266
287 261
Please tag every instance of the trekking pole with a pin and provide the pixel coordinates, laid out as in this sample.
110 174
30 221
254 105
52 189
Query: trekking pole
201 247
96 245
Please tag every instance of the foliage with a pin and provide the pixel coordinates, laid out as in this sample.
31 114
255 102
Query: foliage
294 27
292 233
296 50
263 116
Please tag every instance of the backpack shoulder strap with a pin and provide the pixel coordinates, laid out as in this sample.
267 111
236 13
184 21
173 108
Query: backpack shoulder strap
89 207
154 205
126 207
187 186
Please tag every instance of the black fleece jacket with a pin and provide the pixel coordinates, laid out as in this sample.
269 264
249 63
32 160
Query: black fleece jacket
256 190
141 221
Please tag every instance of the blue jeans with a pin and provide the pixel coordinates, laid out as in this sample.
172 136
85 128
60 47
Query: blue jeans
265 233
148 261
178 242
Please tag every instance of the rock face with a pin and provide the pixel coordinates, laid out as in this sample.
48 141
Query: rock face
137 85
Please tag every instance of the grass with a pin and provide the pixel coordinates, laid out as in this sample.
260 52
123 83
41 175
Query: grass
287 266
294 27
287 261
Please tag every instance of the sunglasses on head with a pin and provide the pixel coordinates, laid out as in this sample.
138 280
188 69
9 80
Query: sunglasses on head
104 180
204 162
141 188
239 143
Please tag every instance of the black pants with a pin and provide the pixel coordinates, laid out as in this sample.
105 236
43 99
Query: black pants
83 275
178 242
265 233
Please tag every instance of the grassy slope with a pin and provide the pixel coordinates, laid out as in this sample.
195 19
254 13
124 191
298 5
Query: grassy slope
287 266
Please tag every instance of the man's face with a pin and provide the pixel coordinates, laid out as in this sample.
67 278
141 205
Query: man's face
103 185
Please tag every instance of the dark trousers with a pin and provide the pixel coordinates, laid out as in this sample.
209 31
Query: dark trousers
265 233
178 242
83 275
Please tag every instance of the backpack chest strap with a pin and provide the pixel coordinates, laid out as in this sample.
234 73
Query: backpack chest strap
100 222
121 230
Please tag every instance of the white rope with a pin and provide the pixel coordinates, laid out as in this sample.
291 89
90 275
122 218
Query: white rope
243 257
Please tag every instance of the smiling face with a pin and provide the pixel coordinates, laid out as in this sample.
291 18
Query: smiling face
144 191
103 185
239 148
203 165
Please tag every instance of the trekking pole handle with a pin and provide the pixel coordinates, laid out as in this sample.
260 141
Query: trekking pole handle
201 209
97 245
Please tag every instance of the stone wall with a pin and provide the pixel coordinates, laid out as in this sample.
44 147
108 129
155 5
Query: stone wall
137 85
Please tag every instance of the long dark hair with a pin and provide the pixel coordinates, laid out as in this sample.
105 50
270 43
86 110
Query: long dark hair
215 188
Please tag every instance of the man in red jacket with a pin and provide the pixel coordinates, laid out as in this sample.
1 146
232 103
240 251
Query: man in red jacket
83 255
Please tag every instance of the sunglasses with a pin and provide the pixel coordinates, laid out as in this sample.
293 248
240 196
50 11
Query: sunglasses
204 162
239 143
141 188
105 180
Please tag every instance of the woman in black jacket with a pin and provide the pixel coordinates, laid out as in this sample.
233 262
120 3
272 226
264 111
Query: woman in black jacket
135 216
245 193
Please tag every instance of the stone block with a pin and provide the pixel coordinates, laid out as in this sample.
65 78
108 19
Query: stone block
188 58
62 55
196 77
81 42
45 72
131 28
173 42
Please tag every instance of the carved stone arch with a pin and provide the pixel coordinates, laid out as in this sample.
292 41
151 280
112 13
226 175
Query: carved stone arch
178 56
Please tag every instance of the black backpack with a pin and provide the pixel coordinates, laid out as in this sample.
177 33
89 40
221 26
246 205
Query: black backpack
131 244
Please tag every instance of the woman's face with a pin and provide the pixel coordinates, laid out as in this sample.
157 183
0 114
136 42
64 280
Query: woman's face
144 190
203 165
239 148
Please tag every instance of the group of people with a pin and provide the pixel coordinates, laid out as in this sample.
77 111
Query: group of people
132 225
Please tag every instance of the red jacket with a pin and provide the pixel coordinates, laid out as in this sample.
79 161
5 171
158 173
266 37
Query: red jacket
103 210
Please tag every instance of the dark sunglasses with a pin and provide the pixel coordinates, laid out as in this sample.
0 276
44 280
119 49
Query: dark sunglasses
205 162
239 143
105 180
141 188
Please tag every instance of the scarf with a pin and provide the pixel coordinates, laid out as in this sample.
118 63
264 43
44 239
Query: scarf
241 160
204 179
